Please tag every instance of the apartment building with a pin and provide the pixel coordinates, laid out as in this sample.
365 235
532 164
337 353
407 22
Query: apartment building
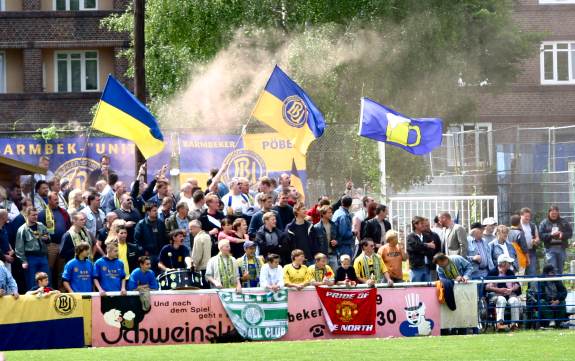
54 60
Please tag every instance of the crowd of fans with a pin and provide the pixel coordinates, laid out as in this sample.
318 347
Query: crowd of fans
114 237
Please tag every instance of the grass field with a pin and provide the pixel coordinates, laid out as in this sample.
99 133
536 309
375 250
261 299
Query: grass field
524 346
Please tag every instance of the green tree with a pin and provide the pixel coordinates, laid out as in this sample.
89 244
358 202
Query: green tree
425 51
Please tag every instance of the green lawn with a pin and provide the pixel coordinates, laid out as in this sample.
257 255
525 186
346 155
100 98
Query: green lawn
523 346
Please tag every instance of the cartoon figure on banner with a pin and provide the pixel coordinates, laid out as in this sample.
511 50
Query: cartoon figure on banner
122 312
243 163
416 323
85 166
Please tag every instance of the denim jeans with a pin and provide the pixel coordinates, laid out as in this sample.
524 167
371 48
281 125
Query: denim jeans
333 261
555 255
345 249
532 269
36 264
421 274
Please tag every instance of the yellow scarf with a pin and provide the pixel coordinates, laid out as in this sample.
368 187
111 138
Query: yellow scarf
50 224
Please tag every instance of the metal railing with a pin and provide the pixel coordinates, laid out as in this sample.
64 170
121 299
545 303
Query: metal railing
464 209
534 310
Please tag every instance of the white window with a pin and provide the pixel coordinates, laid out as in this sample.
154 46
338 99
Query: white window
76 71
470 146
75 5
2 72
558 62
556 2
2 5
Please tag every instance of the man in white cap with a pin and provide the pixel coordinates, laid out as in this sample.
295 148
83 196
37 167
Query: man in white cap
504 294
489 231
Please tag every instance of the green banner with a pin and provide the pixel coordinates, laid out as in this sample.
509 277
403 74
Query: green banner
257 316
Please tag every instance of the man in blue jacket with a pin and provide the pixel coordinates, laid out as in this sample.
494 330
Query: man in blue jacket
455 268
326 234
342 220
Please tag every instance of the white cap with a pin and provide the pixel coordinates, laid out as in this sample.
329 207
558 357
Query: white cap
489 221
503 258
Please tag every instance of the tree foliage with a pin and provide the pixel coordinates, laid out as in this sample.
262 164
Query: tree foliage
428 49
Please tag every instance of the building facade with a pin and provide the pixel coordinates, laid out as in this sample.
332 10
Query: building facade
54 60
522 148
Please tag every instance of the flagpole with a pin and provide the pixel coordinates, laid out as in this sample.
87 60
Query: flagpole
242 133
88 135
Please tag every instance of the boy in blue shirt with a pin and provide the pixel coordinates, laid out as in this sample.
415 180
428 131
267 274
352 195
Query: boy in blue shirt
109 274
77 275
143 277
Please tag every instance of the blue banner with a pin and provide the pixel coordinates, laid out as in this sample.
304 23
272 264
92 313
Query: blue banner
254 156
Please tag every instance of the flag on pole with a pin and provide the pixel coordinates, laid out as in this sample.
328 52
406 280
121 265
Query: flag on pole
417 136
121 114
285 107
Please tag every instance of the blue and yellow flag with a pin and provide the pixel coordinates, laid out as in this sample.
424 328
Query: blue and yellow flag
417 136
121 114
30 323
285 107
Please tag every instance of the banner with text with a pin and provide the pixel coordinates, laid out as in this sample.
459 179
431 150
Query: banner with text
395 314
257 316
349 312
255 155
201 317
172 319
66 155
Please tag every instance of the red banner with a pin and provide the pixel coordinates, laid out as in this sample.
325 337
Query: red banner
350 312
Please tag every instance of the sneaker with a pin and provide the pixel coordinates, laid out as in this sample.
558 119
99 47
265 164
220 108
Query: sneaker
551 323
514 327
501 326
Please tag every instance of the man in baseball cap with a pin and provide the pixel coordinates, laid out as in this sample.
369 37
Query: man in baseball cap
478 252
504 294
488 232
504 258
250 266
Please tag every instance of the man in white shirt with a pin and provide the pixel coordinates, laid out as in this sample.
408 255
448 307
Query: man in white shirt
235 202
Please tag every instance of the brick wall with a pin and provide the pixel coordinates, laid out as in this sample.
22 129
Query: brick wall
44 26
34 110
32 31
527 102
32 70
121 4
31 5
121 66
